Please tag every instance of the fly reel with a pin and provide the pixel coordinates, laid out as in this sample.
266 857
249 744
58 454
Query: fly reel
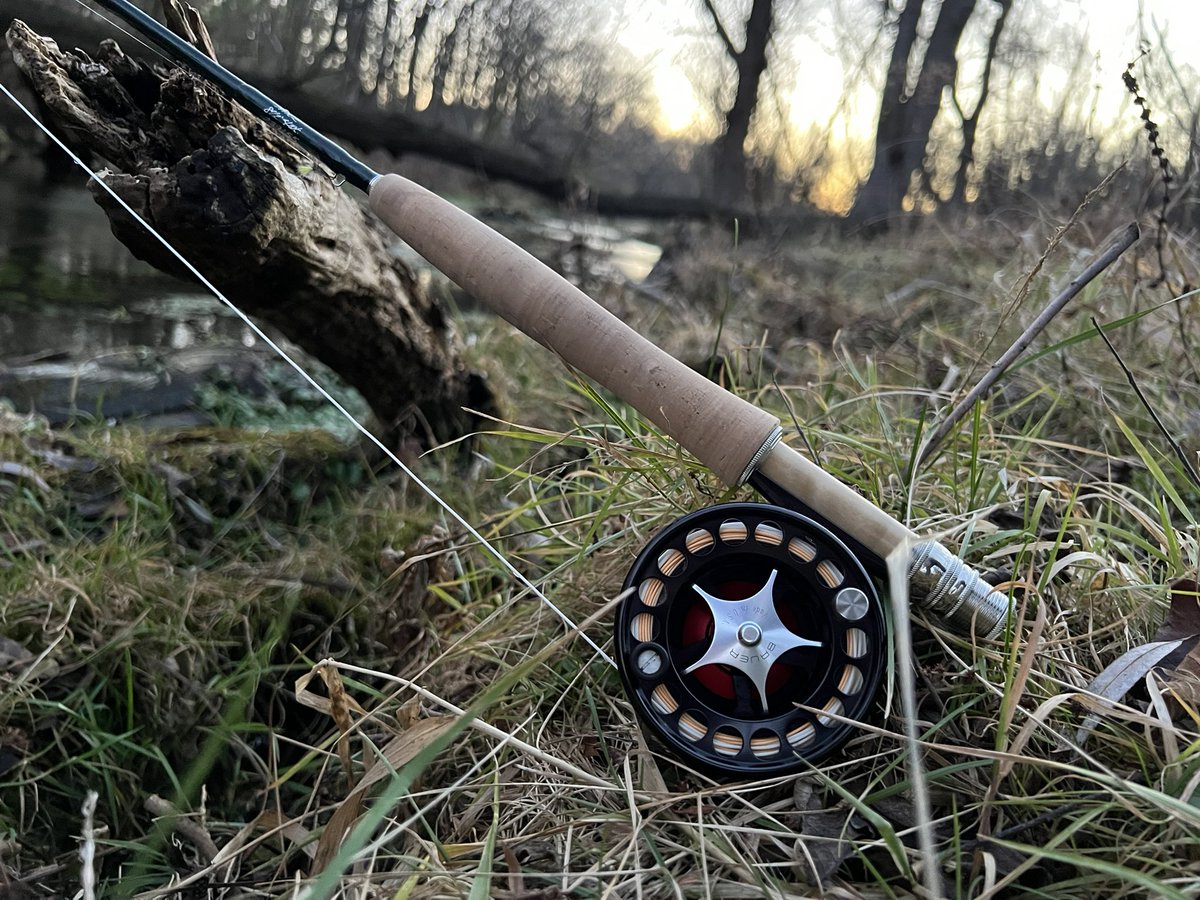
748 629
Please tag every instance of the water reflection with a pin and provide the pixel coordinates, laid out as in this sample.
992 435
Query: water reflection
610 252
55 226
88 331
29 333
68 287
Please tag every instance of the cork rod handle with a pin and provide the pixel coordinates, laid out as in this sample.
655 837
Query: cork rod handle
723 431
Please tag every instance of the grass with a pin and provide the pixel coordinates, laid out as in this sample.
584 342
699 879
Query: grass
162 594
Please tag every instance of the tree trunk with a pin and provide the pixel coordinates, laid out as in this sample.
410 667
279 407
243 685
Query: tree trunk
729 150
970 123
292 249
902 134
357 26
420 23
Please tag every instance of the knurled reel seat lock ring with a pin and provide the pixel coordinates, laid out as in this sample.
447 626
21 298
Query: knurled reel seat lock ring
738 615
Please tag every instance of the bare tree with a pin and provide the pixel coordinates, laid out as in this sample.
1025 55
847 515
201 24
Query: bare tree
729 150
970 122
906 115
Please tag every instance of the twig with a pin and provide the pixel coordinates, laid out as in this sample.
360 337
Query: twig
87 850
1026 284
187 828
1122 243
1019 828
1175 445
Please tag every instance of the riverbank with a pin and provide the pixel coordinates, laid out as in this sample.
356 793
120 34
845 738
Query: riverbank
165 593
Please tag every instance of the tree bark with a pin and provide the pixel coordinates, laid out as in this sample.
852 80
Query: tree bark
970 123
276 236
729 150
902 133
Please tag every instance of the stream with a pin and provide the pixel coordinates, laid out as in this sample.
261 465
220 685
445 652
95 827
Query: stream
88 331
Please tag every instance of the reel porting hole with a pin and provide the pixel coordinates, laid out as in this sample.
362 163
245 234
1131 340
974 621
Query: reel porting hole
739 615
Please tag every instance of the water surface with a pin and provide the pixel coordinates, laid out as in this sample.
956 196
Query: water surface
87 329
68 288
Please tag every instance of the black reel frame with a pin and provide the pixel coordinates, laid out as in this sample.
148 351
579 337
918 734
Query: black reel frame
759 706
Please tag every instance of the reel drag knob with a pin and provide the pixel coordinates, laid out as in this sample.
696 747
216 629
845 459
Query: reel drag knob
738 617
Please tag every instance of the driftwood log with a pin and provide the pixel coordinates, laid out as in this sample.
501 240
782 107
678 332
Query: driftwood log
271 230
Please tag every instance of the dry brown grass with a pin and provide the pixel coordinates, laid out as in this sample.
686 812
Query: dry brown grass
166 638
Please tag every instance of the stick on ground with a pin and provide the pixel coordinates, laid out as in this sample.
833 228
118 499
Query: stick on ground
1123 242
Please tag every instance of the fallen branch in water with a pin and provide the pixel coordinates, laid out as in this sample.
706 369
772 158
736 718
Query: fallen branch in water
274 232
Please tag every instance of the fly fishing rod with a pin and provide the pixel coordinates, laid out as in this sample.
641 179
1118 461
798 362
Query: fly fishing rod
751 632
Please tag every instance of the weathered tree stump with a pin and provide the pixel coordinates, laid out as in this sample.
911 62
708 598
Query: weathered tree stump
274 232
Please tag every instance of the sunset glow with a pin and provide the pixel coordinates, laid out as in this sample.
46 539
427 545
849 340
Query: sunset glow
671 39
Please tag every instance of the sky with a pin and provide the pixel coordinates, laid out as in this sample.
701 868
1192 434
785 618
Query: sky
664 35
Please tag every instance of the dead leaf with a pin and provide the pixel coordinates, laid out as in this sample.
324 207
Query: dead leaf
1122 674
823 845
400 750
13 655
268 821
1181 682
1004 860
336 829
407 715
15 658
516 878
1180 669
315 701
1183 619
339 707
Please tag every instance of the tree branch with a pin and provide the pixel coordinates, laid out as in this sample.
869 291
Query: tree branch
282 240
730 47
